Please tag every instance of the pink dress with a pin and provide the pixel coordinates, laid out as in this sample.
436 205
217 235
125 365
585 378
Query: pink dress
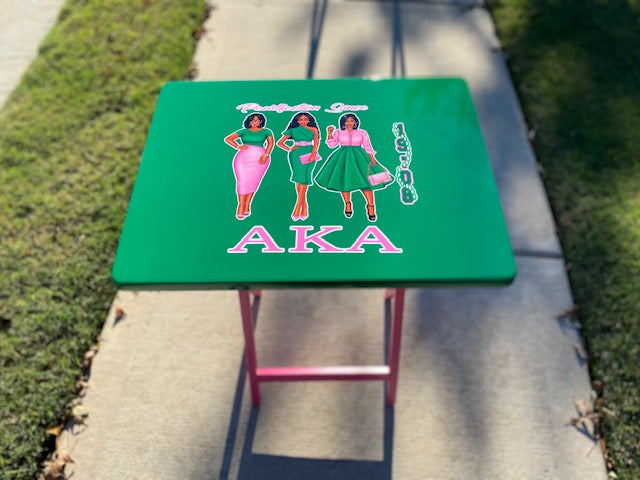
246 163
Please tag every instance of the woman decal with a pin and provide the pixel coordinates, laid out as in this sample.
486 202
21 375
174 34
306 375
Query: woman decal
303 154
350 166
252 160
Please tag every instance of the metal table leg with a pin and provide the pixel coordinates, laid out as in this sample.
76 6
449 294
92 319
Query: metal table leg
249 345
388 373
394 344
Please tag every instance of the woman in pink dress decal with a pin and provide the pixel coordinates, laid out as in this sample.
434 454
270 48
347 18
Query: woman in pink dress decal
353 166
252 160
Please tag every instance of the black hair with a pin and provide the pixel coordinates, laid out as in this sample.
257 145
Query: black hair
261 117
344 117
294 120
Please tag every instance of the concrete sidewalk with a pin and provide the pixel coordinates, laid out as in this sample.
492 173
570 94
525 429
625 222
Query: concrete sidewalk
488 376
23 25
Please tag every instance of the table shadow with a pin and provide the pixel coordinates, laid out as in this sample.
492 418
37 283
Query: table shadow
254 466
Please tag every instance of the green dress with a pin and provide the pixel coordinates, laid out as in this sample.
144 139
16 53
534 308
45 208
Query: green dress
348 167
301 172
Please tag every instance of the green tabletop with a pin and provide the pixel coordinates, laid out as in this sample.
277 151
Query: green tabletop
204 214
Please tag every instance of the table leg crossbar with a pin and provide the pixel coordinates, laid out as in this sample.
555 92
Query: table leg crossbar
388 373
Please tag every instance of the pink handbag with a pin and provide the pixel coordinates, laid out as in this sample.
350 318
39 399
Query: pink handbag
378 178
304 159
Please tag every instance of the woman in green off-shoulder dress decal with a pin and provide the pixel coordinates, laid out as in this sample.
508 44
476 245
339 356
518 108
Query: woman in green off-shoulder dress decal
303 154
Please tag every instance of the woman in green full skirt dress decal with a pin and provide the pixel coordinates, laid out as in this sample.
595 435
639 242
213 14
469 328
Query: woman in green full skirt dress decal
303 154
352 165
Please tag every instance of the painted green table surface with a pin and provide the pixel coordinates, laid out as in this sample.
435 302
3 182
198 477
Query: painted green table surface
438 221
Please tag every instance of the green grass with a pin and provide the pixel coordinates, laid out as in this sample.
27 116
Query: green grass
576 66
71 137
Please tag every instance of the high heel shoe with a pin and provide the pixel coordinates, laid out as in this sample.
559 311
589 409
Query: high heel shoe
371 212
295 215
347 209
304 211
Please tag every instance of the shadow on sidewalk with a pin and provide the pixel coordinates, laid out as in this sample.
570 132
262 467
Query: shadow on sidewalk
259 466
357 63
255 466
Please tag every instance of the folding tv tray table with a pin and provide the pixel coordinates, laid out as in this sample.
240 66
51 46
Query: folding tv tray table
195 221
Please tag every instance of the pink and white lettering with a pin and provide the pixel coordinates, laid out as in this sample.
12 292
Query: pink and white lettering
277 107
258 235
302 239
373 236
340 107
337 107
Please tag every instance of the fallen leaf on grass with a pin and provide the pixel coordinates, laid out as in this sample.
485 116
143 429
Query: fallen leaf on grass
54 470
81 385
598 387
89 355
571 314
591 417
582 407
588 417
198 33
55 431
79 414
192 72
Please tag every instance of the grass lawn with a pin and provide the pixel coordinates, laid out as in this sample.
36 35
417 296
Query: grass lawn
576 66
71 138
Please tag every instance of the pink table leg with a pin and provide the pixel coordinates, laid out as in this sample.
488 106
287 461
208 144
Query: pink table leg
388 372
249 345
394 347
